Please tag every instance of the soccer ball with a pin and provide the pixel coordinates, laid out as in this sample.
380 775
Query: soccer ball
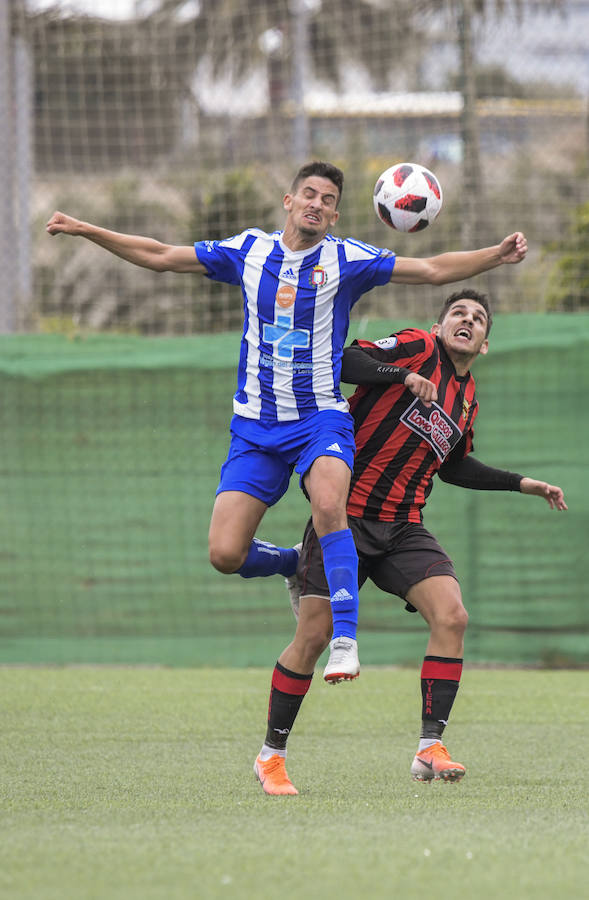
407 197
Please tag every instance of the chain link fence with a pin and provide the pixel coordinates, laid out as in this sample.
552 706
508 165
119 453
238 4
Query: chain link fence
187 121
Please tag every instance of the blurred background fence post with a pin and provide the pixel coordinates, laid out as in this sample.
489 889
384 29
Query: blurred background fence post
7 173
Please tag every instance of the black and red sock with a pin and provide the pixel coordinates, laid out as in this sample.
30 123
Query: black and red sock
286 695
440 679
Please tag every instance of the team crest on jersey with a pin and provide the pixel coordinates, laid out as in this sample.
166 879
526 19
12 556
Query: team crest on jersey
433 425
465 409
318 276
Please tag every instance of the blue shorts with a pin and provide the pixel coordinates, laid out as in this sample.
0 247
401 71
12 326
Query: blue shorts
262 457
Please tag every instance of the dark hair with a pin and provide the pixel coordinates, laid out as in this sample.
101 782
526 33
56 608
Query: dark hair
322 170
467 294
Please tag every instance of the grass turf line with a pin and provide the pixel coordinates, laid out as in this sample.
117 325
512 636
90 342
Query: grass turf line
138 783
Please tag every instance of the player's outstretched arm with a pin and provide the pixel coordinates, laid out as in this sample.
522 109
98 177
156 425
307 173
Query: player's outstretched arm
469 472
513 248
141 251
458 265
551 492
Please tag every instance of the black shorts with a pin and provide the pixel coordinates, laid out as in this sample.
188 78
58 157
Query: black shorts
394 555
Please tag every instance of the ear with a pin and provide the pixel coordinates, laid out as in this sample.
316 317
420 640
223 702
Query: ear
484 347
335 217
287 202
435 329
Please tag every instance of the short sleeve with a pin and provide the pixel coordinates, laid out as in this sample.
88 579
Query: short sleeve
366 266
223 260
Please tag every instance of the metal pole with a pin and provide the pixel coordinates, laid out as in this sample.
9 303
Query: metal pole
471 166
7 224
23 289
300 74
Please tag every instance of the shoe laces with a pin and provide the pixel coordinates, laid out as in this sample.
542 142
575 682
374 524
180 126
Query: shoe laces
273 764
340 649
439 750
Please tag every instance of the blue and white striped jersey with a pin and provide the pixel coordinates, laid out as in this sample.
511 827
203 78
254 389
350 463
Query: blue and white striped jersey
296 316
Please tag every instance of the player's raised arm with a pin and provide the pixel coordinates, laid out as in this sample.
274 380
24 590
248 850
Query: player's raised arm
461 264
141 251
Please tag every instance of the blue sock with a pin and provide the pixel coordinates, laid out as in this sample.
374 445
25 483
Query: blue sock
340 561
265 559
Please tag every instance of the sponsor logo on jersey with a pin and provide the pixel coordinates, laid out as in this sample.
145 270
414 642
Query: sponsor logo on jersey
268 362
465 409
289 274
433 425
286 295
387 343
318 276
284 338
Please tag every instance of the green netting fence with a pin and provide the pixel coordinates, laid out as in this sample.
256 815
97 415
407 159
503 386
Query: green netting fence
110 448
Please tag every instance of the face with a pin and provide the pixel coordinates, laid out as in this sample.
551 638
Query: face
312 208
463 331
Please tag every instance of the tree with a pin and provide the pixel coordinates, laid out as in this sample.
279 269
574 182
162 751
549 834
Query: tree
568 282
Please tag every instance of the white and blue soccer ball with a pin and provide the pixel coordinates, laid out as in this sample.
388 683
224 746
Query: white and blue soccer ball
407 197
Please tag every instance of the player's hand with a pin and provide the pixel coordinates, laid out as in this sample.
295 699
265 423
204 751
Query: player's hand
59 223
422 388
551 492
513 248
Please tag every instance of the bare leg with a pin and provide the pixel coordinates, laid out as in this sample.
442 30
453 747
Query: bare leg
327 483
234 522
439 600
312 636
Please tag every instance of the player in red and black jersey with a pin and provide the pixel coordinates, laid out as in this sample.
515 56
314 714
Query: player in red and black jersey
414 412
399 446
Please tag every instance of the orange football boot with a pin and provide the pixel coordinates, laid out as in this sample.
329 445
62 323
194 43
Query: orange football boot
272 776
434 764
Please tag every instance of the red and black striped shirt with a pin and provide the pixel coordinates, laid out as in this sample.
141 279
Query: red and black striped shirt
400 443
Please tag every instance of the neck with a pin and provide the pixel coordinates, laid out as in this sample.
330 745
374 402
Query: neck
462 364
296 240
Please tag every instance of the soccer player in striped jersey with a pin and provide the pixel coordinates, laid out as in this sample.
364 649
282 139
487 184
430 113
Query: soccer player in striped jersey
414 414
298 286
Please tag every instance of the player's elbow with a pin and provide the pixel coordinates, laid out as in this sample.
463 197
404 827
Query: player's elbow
160 257
437 275
162 260
178 259
429 271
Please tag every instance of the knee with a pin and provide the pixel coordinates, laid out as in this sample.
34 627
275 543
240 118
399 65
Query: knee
329 515
313 636
318 640
225 559
454 619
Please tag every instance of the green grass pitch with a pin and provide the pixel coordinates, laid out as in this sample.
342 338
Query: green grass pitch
137 783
